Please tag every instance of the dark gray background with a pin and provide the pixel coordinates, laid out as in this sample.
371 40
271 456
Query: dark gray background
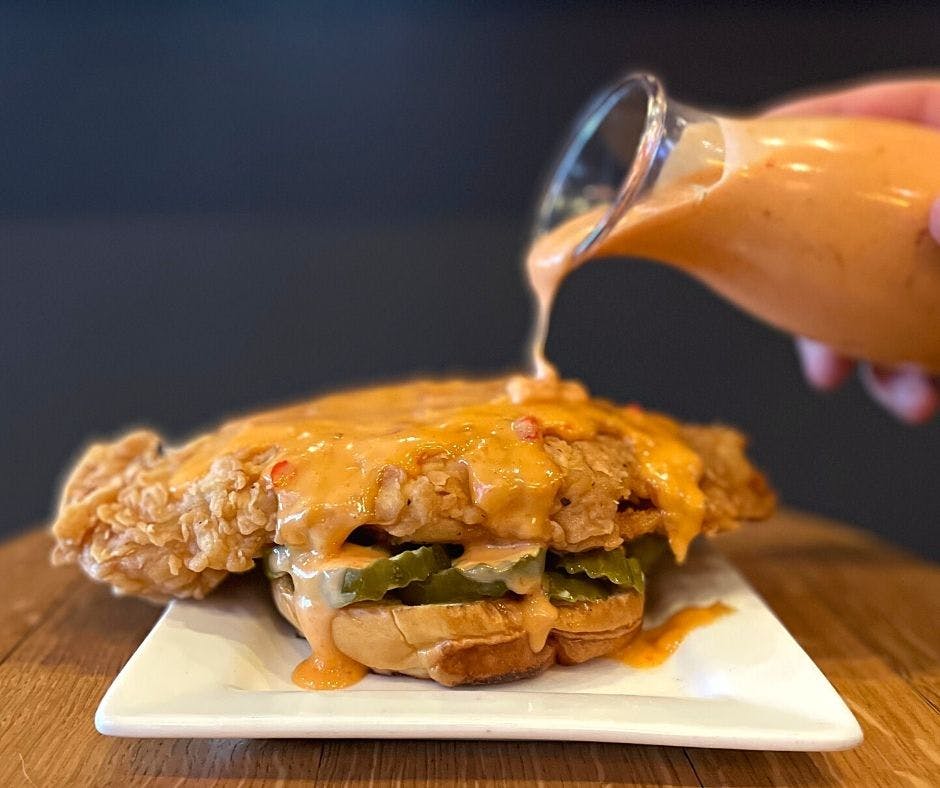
203 209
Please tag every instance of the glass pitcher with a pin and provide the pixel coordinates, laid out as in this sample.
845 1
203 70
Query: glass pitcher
816 225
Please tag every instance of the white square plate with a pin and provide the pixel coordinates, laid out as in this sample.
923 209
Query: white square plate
221 668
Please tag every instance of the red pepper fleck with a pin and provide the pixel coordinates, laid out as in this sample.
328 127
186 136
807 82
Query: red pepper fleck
527 428
634 407
281 471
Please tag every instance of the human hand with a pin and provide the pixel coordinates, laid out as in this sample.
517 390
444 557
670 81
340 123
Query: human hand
906 391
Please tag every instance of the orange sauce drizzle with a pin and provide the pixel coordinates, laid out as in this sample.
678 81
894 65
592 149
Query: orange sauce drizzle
330 454
538 618
652 647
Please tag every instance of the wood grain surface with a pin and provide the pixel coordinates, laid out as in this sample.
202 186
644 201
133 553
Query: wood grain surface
868 614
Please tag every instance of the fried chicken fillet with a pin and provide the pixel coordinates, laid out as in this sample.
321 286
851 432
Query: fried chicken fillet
128 521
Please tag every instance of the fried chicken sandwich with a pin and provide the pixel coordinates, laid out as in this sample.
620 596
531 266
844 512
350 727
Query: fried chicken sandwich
464 531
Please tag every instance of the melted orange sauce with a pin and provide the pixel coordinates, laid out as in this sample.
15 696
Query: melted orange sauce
538 617
329 454
654 646
313 674
325 460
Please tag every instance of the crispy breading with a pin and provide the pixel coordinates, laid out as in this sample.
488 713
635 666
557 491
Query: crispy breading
123 521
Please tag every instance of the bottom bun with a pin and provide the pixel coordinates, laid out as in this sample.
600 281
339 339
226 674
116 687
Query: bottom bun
482 642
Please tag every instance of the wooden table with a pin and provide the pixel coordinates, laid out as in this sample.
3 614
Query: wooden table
868 614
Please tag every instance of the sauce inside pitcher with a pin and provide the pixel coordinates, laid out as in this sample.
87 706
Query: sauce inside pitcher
818 226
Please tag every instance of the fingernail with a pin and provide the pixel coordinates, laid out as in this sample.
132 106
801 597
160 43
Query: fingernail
915 397
906 392
823 368
935 220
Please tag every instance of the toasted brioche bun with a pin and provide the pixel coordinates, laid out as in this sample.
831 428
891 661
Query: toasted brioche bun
482 642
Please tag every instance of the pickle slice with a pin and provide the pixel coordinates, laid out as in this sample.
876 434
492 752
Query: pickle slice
612 565
518 567
372 582
449 585
568 589
275 562
648 550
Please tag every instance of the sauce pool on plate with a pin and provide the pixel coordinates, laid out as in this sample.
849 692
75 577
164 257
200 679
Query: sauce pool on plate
316 674
652 647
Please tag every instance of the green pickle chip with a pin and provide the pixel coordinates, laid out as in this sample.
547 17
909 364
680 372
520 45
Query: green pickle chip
273 563
269 571
612 565
568 589
518 568
648 550
449 585
372 582
424 575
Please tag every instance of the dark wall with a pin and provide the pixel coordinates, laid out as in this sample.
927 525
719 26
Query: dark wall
207 208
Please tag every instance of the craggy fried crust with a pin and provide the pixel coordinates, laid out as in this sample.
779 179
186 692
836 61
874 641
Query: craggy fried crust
121 521
126 525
